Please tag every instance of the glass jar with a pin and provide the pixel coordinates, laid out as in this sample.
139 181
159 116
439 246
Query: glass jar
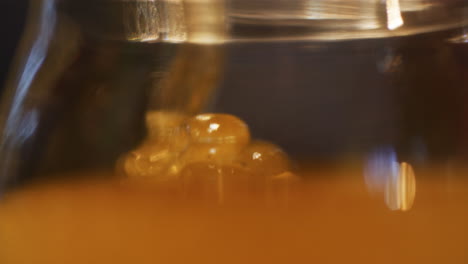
284 131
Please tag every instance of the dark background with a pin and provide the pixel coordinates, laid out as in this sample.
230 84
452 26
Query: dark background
12 18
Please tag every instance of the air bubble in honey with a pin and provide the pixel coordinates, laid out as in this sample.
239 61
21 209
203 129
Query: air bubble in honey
264 158
216 138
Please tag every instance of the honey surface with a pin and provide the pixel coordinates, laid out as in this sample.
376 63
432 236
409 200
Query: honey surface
330 218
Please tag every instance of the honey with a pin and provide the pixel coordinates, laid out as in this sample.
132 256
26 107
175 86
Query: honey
330 218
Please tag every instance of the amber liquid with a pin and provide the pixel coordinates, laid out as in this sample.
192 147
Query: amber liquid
331 217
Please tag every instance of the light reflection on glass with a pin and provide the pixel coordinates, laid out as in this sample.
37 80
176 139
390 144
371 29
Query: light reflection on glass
461 39
407 186
394 19
153 20
196 21
205 21
141 21
401 189
416 5
20 124
384 174
380 166
364 12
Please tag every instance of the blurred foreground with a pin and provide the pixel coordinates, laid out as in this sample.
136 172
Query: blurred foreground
331 218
